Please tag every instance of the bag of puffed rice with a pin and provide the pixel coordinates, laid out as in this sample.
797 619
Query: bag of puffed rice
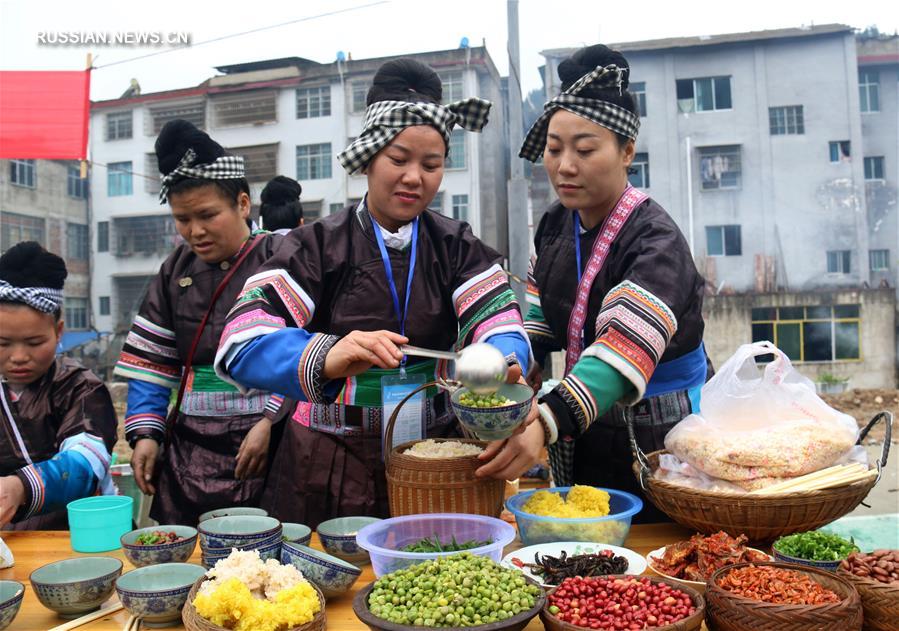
6 558
761 422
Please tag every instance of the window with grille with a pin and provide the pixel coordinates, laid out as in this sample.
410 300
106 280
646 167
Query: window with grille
128 294
452 86
153 179
76 186
260 161
638 89
639 176
869 90
460 207
456 158
839 150
879 260
437 203
334 207
102 236
810 334
245 108
314 102
312 211
720 167
118 179
839 261
191 111
786 120
105 306
78 243
76 314
15 228
119 125
23 173
313 163
144 235
704 94
359 93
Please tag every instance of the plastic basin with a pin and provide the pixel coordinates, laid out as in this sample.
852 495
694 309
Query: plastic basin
96 524
612 528
384 538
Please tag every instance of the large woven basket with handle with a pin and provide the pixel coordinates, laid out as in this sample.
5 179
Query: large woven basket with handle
762 518
437 485
727 611
195 622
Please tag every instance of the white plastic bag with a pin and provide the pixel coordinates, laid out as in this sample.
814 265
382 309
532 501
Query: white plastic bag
761 423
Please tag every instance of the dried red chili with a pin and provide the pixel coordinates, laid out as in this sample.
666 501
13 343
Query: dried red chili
776 585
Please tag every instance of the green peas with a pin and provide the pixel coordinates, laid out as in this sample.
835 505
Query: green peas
458 590
493 400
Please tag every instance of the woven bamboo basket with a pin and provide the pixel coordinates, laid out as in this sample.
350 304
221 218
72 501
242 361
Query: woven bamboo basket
690 623
762 518
438 485
729 612
880 602
195 622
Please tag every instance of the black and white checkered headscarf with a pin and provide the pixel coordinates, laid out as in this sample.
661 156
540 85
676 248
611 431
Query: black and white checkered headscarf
222 168
384 120
44 299
603 113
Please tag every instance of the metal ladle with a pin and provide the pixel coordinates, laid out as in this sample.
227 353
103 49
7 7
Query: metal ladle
480 367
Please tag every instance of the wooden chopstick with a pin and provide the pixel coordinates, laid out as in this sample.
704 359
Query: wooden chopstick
133 624
77 622
839 475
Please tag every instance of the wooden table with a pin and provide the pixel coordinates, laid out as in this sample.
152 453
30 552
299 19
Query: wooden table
37 548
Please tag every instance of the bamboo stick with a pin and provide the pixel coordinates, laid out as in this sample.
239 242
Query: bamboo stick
823 473
835 476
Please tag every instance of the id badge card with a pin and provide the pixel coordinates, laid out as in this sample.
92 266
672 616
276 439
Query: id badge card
410 420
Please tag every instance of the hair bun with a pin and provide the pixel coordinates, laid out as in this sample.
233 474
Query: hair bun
176 137
28 264
405 79
587 59
281 190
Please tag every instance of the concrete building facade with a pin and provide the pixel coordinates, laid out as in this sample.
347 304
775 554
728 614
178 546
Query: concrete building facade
285 116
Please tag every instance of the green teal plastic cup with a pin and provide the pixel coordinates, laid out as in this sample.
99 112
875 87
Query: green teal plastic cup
97 523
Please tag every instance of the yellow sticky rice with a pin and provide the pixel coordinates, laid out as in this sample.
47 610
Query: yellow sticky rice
233 606
582 501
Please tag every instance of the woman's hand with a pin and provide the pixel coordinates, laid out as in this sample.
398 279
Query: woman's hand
360 350
511 458
143 462
535 376
253 453
12 496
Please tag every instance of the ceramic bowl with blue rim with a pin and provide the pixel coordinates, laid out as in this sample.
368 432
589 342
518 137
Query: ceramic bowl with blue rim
157 593
233 510
152 554
338 537
495 423
11 595
331 575
251 544
296 533
827 566
237 531
270 551
73 587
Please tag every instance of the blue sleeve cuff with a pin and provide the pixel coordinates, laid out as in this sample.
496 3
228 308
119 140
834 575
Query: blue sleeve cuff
51 484
514 347
148 405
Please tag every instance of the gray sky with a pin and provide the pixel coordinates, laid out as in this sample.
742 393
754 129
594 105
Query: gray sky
390 28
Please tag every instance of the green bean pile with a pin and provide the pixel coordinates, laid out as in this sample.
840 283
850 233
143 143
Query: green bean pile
494 400
461 590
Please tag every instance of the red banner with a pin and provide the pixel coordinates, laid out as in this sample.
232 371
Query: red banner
44 114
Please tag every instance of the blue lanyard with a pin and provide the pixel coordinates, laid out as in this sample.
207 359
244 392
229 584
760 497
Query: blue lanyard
577 245
388 270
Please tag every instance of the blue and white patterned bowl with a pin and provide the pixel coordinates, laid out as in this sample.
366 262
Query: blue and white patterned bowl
296 533
247 545
495 423
233 510
73 587
338 537
331 575
238 531
827 566
270 551
176 552
157 593
11 595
